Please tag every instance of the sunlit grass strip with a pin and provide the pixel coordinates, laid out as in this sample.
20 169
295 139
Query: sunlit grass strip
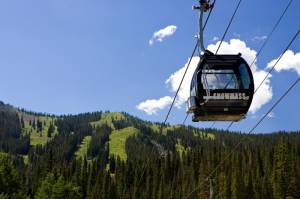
118 139
83 147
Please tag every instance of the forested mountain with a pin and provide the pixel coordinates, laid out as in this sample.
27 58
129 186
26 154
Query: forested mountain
115 155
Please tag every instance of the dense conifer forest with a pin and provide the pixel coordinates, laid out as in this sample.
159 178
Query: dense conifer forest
115 155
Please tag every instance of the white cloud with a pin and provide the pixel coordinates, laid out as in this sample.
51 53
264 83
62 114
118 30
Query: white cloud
259 38
265 92
235 46
289 61
174 80
152 106
161 34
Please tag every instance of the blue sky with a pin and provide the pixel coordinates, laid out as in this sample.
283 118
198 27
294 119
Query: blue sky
72 56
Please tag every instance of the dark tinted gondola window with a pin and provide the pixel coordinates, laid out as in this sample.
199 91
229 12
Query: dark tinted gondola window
245 76
219 79
193 86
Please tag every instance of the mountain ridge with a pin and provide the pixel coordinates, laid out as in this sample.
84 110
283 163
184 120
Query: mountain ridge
116 155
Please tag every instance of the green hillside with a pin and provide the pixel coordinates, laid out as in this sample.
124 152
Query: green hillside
130 158
83 147
38 136
117 141
108 118
118 138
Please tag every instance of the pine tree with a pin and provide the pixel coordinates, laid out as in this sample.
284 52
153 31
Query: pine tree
50 130
281 177
33 124
22 123
39 126
112 164
9 177
58 189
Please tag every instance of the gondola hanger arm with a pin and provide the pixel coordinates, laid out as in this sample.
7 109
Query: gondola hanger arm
203 7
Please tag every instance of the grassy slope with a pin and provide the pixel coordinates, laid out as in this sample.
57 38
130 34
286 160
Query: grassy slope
179 147
117 141
117 138
38 137
156 128
107 118
82 150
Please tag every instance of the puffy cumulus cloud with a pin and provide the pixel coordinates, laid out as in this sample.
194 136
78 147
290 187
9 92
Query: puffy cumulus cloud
161 34
174 80
234 46
289 61
151 106
265 92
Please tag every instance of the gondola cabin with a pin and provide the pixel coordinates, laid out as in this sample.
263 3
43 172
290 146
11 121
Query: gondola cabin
222 88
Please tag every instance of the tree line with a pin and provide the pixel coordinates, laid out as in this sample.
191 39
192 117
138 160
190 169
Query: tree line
263 166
